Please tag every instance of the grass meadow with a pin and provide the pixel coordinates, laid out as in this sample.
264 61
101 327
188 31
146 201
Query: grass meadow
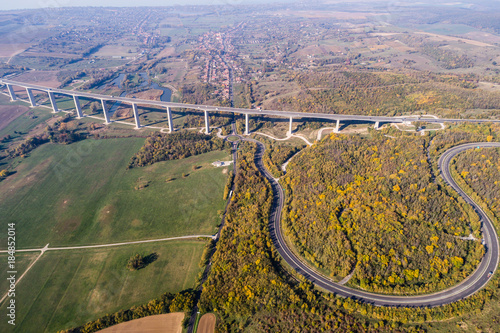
65 289
83 194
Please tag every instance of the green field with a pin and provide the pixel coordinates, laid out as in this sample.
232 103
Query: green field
25 122
23 260
83 194
65 289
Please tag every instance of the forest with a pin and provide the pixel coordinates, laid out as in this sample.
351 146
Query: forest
215 119
374 204
248 289
201 93
446 58
162 147
388 94
462 133
276 154
480 169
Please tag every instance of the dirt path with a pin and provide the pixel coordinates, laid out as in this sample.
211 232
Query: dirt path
46 248
26 271
287 138
283 167
320 132
14 54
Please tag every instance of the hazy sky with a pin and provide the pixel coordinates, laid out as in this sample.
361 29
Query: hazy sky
20 4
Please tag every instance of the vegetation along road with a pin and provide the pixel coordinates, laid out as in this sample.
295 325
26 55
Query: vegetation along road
464 289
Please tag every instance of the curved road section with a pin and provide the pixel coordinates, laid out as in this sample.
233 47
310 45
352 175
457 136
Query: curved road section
466 288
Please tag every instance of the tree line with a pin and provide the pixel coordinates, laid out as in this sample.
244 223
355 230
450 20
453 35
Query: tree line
166 303
61 132
162 147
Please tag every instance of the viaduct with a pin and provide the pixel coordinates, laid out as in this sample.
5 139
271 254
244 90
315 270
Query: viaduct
9 84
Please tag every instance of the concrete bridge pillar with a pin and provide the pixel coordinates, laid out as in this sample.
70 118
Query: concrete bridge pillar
31 97
170 123
337 128
246 124
377 125
136 116
53 102
105 110
78 107
290 126
11 92
207 125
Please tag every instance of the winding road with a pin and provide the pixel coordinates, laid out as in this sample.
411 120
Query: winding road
466 288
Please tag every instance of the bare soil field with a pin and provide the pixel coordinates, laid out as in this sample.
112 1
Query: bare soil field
488 86
165 323
483 36
168 51
10 112
42 78
8 50
116 50
123 112
331 47
329 14
378 47
437 37
422 63
49 54
399 46
310 50
152 94
207 323
383 34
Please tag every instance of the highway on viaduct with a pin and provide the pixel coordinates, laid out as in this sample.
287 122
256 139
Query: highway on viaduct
211 108
468 287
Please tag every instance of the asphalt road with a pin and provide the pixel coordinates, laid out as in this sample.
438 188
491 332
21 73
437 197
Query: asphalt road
466 288
212 108
194 313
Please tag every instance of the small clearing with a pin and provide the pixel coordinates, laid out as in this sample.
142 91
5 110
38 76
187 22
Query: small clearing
151 94
207 323
221 163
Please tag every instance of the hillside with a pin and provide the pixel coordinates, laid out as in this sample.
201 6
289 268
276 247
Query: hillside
370 206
